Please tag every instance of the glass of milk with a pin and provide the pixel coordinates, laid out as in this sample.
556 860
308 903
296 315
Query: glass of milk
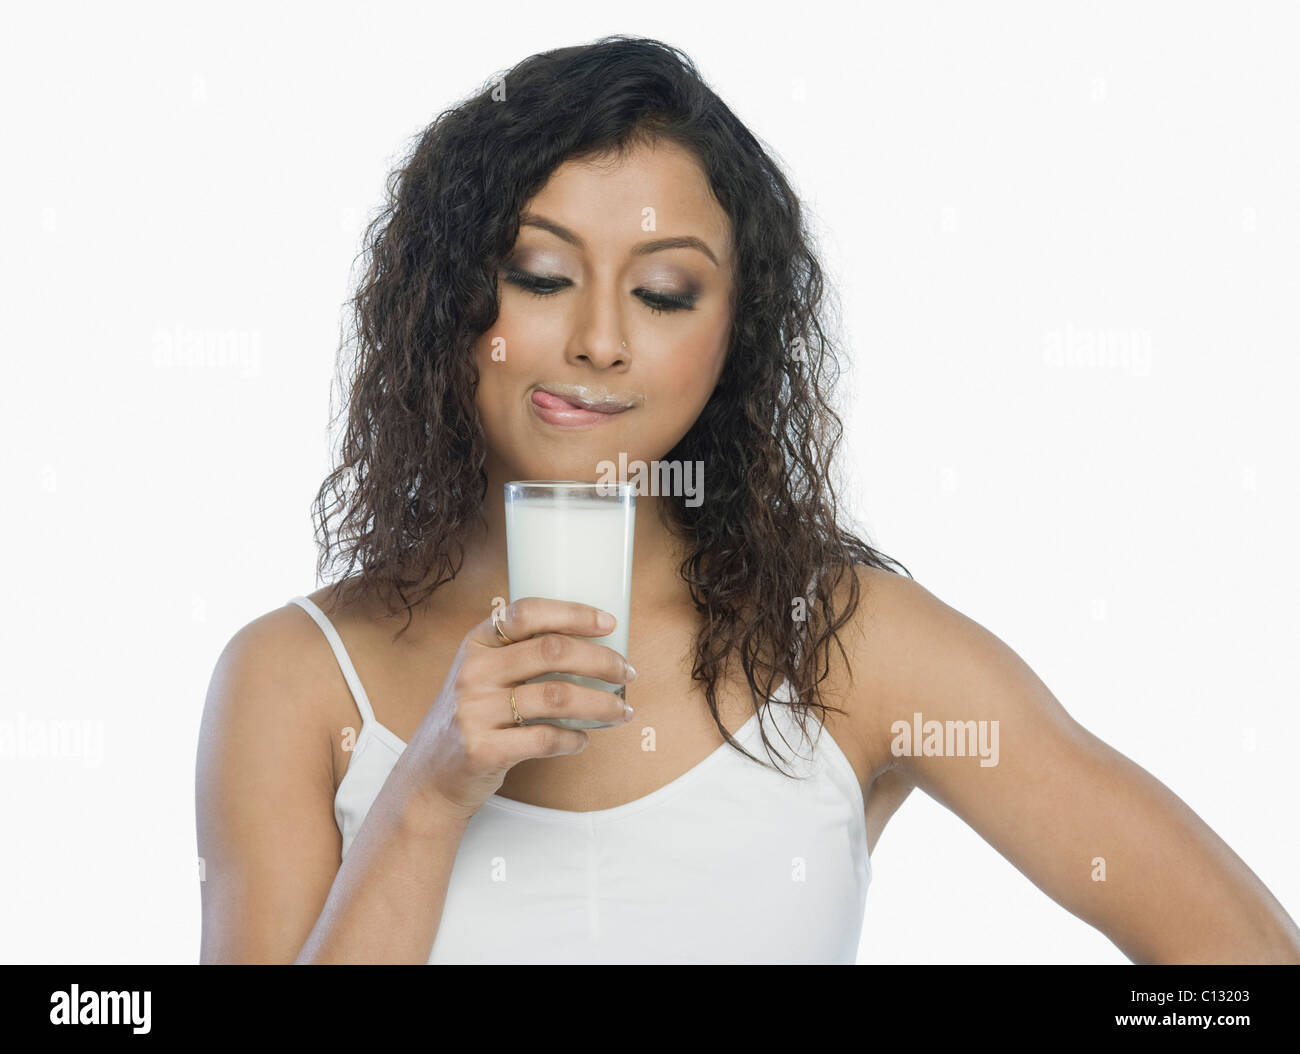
568 540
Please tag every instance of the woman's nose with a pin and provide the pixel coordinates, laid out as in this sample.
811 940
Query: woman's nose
602 355
599 340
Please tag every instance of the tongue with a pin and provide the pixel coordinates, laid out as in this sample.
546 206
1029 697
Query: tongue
553 402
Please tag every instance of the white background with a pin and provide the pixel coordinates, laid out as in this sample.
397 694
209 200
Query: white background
998 188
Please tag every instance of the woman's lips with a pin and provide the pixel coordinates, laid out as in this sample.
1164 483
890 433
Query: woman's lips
563 414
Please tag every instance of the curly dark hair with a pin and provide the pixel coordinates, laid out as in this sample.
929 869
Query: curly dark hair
410 481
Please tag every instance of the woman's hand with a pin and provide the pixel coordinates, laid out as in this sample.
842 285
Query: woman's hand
469 739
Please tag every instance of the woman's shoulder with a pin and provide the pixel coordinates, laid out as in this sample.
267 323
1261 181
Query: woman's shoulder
282 648
897 630
284 654
911 654
280 669
271 701
364 624
897 615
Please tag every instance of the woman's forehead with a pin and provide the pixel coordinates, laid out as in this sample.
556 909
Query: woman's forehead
649 189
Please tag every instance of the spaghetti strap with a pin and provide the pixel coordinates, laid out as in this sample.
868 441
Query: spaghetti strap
341 654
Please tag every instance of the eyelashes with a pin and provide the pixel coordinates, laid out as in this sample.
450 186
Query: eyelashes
541 286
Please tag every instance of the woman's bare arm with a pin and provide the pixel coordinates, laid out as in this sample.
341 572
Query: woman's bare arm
1096 832
274 890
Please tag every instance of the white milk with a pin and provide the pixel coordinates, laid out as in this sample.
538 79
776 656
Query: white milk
574 549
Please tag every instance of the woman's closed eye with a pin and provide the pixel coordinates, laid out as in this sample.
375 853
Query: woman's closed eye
542 286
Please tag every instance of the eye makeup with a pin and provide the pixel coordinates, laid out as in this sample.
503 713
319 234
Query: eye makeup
544 286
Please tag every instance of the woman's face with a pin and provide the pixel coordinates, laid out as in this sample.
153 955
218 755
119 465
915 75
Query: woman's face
637 253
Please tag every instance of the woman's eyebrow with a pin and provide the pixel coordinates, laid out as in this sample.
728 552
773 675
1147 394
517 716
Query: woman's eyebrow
685 241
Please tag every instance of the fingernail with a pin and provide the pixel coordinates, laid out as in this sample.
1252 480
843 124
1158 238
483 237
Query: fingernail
627 712
605 620
631 670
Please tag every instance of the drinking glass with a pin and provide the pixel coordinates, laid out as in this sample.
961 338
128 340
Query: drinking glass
570 540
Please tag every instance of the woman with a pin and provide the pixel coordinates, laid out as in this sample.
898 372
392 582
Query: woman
597 227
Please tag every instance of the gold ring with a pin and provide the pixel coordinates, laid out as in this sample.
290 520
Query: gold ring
514 709
496 625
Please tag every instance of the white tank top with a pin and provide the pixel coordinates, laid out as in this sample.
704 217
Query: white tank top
731 862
